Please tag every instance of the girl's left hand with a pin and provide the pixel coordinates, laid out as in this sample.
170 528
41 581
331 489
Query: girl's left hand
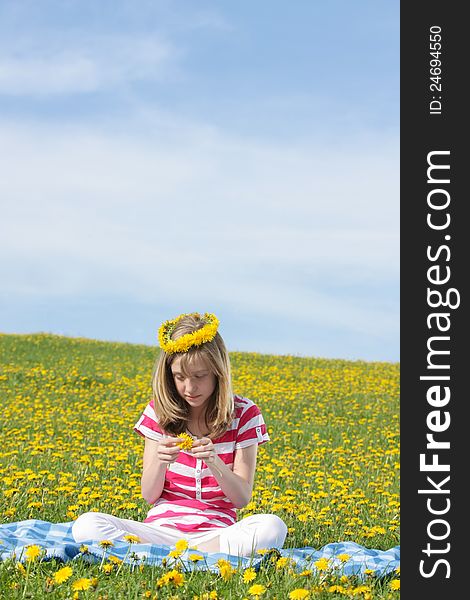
205 450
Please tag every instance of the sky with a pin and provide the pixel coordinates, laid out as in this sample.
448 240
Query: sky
166 157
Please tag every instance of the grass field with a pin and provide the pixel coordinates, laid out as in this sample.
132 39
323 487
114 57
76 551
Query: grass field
331 470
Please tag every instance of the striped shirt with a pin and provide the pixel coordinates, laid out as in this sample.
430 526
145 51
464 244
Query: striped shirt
192 499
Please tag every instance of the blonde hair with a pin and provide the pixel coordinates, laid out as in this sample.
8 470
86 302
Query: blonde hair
171 410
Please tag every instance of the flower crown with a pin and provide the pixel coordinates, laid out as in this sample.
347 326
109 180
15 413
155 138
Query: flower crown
186 341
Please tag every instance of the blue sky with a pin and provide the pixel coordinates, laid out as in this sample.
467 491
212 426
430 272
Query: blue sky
240 158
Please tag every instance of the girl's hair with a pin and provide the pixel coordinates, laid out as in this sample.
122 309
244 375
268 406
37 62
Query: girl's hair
171 410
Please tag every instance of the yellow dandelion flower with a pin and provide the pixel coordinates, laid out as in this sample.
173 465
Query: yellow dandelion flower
32 552
163 580
195 557
306 573
222 563
105 543
20 567
282 562
63 574
257 590
360 589
185 441
378 529
181 545
344 557
249 575
132 539
175 577
81 584
226 571
322 564
107 568
336 588
395 584
114 559
298 594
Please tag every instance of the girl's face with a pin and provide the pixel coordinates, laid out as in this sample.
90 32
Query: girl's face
198 385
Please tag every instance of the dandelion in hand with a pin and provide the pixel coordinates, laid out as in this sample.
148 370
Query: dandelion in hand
185 441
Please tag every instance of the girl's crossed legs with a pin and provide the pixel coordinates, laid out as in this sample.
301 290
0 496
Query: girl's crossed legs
244 537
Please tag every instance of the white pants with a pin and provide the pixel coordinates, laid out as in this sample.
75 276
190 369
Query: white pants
241 539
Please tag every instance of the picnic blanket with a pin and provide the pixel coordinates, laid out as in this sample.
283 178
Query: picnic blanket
57 541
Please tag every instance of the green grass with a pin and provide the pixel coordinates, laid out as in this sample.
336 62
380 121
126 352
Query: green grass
331 470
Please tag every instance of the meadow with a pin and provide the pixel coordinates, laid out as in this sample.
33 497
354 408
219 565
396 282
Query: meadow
331 470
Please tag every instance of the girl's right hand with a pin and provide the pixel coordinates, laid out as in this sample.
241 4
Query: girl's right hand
168 450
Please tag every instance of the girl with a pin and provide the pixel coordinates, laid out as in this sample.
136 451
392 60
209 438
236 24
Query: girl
200 451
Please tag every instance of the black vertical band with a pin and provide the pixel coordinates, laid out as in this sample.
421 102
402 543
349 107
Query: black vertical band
434 291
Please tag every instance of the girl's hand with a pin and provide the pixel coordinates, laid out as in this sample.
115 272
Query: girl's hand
205 450
168 450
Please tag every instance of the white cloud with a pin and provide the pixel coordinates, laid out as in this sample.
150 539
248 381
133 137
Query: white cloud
190 212
90 63
77 47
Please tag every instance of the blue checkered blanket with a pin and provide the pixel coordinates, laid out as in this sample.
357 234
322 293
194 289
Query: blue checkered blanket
57 541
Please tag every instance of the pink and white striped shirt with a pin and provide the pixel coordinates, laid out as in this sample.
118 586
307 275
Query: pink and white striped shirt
191 499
